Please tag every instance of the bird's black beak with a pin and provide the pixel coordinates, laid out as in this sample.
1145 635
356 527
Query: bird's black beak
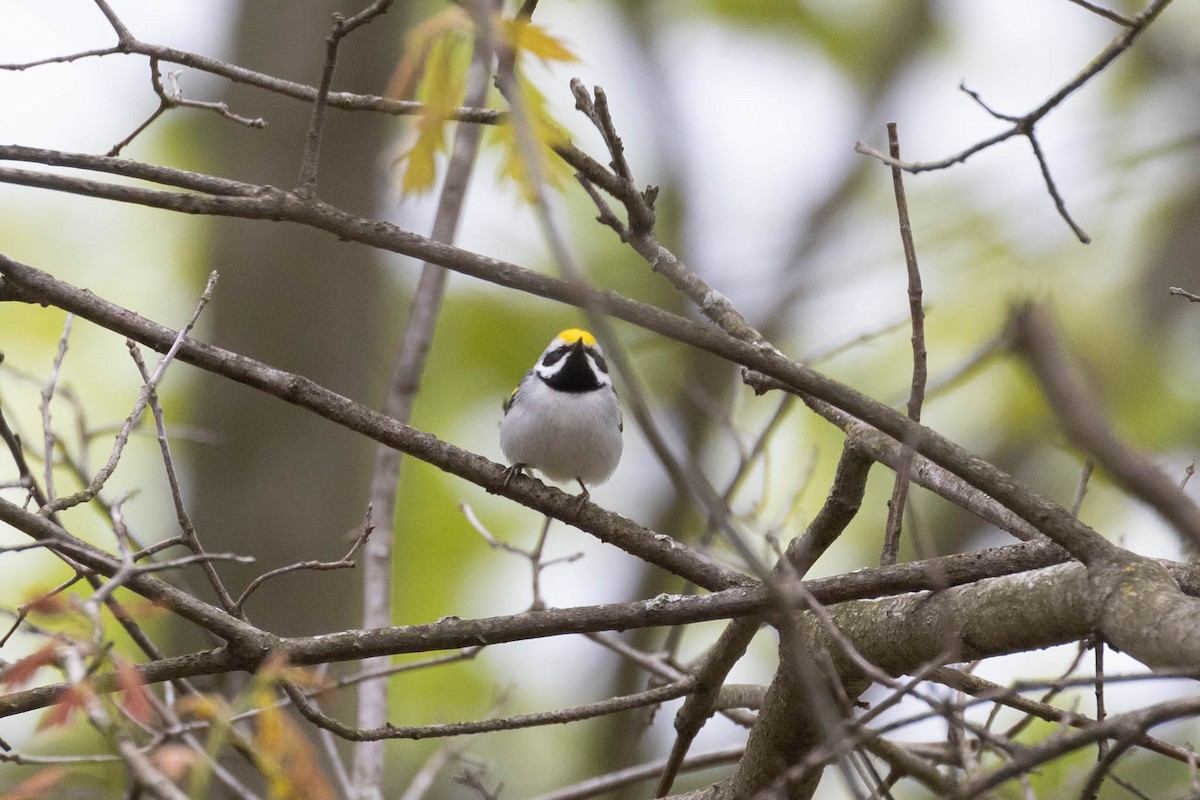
578 346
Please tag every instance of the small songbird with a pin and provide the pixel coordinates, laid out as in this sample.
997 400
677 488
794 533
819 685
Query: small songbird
563 419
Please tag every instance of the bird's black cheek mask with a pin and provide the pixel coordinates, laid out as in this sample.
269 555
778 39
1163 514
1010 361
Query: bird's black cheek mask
554 356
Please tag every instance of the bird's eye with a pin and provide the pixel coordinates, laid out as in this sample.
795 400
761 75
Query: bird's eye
600 362
554 356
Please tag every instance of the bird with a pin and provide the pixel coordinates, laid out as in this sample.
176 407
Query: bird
564 418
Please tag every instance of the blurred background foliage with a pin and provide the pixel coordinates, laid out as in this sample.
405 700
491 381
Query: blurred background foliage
745 114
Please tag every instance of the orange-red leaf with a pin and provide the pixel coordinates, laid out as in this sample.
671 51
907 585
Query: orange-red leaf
48 603
134 693
35 787
72 699
22 671
174 760
141 608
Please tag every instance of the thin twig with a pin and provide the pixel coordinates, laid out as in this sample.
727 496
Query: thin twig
175 99
1081 489
164 104
148 388
307 182
1024 125
13 441
344 562
536 564
1107 13
1101 712
920 370
600 708
534 556
1052 188
99 52
184 520
195 558
24 608
342 27
48 438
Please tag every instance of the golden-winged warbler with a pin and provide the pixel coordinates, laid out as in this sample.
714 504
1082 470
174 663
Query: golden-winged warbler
563 419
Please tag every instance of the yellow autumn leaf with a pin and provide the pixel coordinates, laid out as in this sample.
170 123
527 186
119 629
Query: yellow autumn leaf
418 43
285 756
526 37
442 87
275 669
554 171
206 707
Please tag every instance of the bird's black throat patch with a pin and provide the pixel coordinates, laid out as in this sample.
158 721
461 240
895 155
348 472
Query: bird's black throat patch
575 375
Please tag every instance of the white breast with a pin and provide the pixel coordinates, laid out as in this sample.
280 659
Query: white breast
564 435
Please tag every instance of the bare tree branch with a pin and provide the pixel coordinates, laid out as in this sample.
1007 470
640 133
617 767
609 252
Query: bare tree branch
424 311
609 527
1084 422
920 370
1024 125
452 633
837 635
139 407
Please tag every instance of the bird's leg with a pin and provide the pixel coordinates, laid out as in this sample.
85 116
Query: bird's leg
509 474
583 496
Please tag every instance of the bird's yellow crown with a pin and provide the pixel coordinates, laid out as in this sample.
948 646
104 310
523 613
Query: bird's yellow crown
572 335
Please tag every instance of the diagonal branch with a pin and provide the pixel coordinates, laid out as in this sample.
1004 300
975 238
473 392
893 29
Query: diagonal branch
639 207
841 505
1084 423
659 549
26 283
268 203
